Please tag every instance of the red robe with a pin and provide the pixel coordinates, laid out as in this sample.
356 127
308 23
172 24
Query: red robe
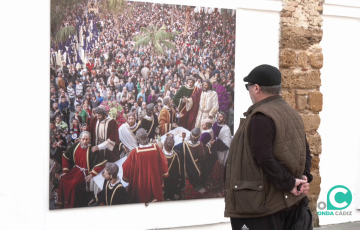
73 185
144 170
192 114
189 118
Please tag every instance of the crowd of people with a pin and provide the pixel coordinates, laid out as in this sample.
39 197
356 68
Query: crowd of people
190 87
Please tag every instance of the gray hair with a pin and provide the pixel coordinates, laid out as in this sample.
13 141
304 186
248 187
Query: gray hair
223 114
112 169
101 110
169 142
195 135
271 90
85 132
141 136
166 100
150 106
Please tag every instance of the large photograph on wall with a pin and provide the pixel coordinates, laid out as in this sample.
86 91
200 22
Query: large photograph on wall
141 102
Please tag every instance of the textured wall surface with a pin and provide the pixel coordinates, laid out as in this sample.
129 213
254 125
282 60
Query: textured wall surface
300 61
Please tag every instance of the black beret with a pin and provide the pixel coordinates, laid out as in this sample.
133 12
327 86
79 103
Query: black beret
264 75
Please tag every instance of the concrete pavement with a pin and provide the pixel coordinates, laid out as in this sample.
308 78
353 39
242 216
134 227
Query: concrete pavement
345 226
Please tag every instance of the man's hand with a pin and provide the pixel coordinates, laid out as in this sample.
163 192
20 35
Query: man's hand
57 175
295 191
157 130
91 202
63 174
180 115
88 178
175 125
212 142
305 186
94 149
126 149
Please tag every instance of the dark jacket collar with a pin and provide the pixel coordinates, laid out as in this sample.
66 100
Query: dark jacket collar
263 101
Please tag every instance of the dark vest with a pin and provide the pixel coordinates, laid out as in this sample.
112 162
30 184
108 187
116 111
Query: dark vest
248 191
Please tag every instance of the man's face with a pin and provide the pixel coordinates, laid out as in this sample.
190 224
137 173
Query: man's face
131 120
63 100
220 118
78 108
85 140
57 120
55 106
171 102
107 175
190 83
205 86
251 92
203 126
52 126
100 117
109 93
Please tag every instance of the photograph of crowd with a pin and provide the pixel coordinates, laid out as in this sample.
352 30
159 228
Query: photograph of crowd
141 102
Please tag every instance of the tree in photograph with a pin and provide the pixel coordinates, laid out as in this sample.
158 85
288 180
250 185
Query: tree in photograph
187 19
115 7
58 14
157 37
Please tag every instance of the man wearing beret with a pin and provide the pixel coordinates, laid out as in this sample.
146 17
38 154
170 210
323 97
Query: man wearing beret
268 167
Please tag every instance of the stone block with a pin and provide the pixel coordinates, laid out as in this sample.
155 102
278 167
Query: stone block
287 58
301 102
314 13
313 202
316 48
301 92
285 14
294 4
314 142
300 80
289 97
315 164
315 187
315 101
302 59
289 8
299 37
311 121
316 60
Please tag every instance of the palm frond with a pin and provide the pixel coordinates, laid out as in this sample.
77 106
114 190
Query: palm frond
142 42
64 33
144 30
163 35
158 49
138 37
115 6
169 45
